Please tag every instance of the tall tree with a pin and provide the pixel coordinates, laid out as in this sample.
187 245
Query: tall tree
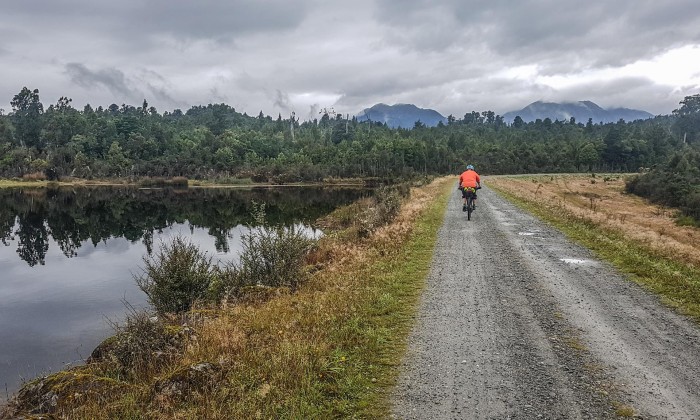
26 117
688 123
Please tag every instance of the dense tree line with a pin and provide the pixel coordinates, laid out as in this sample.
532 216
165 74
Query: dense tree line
676 183
217 141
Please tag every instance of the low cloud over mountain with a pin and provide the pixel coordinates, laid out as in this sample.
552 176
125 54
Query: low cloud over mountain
581 111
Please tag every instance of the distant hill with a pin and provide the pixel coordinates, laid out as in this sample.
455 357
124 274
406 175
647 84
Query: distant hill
401 115
581 111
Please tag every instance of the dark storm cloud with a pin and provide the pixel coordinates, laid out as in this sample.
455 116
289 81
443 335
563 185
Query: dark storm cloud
135 19
282 101
622 91
214 19
162 95
600 31
112 79
157 86
148 84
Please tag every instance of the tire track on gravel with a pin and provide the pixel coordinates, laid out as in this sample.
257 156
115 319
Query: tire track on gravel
502 320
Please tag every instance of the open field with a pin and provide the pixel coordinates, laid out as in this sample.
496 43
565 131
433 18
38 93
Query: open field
640 238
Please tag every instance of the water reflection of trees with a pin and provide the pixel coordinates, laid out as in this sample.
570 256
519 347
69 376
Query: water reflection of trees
72 216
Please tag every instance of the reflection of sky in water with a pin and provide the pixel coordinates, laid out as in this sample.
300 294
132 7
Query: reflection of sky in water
56 313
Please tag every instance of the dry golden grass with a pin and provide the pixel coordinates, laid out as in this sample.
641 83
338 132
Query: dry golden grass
65 182
602 200
12 183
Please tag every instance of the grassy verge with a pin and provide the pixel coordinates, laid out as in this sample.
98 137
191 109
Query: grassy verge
396 281
328 350
676 281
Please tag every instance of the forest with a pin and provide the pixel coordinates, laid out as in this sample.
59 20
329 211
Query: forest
218 142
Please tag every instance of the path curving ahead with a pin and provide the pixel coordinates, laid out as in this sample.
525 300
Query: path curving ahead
518 322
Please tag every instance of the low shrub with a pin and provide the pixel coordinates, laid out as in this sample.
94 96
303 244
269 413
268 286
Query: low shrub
226 283
142 343
259 177
34 176
273 256
179 181
151 182
178 275
387 205
687 221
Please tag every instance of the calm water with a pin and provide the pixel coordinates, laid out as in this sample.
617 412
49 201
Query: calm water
68 256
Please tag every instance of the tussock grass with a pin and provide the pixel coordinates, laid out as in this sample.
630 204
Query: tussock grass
623 410
645 244
12 183
328 350
34 176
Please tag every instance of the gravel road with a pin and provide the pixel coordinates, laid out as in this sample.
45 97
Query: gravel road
518 322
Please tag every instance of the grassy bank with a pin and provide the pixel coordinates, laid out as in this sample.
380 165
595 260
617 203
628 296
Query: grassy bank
12 183
638 238
328 350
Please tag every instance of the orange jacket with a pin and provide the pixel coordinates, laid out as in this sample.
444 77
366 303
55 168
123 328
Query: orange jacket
469 178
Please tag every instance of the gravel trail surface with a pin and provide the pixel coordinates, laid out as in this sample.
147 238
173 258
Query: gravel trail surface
518 322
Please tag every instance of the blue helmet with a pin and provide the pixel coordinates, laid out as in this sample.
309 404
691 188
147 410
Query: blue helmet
470 167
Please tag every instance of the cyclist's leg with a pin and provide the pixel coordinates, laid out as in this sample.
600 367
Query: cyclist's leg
464 200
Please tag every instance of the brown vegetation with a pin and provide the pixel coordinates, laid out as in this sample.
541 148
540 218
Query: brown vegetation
602 200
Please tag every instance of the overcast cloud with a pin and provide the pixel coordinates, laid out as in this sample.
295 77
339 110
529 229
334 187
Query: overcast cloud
278 56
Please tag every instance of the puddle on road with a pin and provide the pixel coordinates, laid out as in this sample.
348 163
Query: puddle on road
534 235
578 261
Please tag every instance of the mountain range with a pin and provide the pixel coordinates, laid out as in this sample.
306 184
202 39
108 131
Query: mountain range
401 115
581 111
406 115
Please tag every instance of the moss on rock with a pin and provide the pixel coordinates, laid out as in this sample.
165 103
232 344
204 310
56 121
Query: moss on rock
46 396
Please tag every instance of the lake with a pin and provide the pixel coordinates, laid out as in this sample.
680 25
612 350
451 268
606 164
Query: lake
68 257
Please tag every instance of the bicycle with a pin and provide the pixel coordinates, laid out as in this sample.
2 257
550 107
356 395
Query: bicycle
469 193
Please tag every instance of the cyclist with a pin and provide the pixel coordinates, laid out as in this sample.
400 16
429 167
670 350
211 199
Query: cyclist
469 181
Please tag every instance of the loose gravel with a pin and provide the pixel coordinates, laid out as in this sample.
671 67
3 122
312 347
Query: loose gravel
518 322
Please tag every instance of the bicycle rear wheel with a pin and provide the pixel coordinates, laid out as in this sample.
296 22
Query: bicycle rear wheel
470 207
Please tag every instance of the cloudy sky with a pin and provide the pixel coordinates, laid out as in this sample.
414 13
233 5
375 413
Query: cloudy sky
278 56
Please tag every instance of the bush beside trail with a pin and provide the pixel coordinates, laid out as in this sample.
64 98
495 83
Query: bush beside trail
676 184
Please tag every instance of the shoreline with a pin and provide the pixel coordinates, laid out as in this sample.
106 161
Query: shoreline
7 183
316 326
